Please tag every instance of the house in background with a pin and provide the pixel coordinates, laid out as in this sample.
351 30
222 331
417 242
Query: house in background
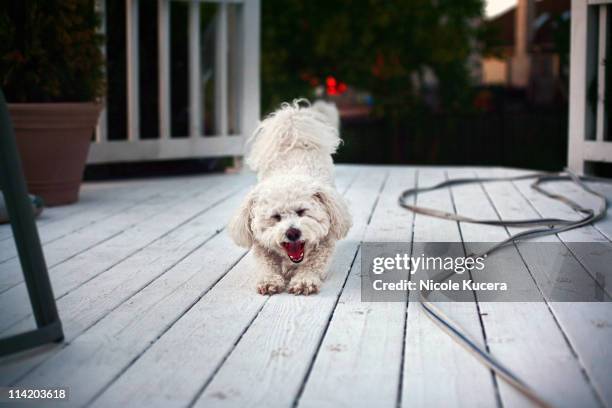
526 48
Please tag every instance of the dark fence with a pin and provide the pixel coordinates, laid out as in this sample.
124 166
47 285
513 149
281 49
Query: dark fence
535 140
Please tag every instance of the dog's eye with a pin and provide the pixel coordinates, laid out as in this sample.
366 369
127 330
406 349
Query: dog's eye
300 212
276 217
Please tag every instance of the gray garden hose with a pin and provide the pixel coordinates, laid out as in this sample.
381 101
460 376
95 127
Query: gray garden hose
546 226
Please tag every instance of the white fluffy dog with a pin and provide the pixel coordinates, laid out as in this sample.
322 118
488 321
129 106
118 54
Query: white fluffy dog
293 217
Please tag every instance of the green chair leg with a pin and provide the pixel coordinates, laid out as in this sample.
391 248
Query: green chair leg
28 245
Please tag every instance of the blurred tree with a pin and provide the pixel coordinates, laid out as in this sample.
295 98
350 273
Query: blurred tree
385 47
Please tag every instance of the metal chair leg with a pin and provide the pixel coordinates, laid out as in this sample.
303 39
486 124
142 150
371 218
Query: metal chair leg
28 245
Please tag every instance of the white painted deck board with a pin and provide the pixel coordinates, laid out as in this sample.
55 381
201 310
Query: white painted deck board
359 360
75 238
167 315
92 360
90 302
92 195
100 204
588 326
511 206
437 371
174 369
156 228
524 335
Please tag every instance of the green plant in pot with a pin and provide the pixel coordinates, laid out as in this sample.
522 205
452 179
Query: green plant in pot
52 73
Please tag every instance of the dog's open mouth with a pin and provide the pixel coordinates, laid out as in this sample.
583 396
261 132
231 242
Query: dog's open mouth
295 251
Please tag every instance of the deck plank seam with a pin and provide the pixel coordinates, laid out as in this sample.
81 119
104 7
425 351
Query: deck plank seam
483 329
209 380
400 382
298 396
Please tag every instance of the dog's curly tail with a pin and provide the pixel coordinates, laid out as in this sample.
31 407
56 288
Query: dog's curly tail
329 110
296 125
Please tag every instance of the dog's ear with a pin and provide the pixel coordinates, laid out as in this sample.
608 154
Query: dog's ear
340 218
240 225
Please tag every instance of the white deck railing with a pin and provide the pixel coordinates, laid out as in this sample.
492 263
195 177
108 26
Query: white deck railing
243 75
588 125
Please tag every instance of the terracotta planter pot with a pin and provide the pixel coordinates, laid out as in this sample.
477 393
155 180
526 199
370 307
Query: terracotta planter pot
53 141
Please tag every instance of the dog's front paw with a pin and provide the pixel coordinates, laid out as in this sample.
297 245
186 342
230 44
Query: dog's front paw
271 285
304 285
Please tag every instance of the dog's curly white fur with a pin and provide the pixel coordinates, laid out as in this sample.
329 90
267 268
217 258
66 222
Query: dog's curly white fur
293 217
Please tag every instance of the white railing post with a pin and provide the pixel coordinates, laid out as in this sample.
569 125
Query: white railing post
101 130
588 122
578 78
221 49
133 93
250 102
163 11
195 71
601 123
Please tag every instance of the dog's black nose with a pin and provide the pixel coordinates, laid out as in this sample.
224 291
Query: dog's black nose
293 234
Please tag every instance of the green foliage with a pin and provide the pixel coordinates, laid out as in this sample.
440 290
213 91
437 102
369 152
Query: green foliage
380 46
50 51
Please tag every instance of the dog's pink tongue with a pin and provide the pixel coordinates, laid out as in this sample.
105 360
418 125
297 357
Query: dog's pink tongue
295 250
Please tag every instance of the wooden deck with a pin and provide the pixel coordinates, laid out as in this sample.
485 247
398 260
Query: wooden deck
159 306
